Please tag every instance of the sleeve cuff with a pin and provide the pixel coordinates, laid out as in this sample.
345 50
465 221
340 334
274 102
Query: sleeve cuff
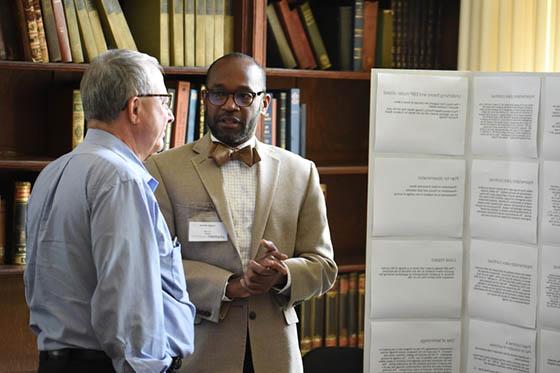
286 289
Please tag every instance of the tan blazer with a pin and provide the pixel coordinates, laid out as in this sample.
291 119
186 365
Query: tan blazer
290 211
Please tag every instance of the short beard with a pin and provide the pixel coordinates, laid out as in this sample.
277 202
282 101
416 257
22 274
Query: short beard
234 139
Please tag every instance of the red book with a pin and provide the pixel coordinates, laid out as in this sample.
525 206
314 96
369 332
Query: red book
62 30
291 22
181 113
370 34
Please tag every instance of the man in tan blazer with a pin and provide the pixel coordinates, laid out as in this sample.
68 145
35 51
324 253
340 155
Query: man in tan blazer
251 219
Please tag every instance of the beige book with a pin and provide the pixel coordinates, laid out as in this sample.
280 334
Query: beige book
543 57
474 42
219 18
86 31
189 35
209 32
176 37
489 35
504 35
464 35
95 23
556 43
115 24
228 26
200 38
41 31
73 31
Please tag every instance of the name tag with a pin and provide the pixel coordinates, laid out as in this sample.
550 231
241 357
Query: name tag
204 231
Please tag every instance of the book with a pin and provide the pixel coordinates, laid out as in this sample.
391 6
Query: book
76 51
22 189
86 32
314 36
371 9
358 35
353 309
62 31
177 33
28 31
335 25
318 331
361 308
181 112
191 122
277 33
169 126
149 23
293 124
269 123
305 324
115 24
219 28
331 316
295 34
343 314
200 33
78 121
96 27
228 26
189 33
209 32
303 130
41 31
2 230
384 44
201 125
50 31
281 117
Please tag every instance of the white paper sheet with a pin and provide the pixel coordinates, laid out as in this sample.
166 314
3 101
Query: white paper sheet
418 197
504 200
505 113
551 120
416 279
503 282
500 348
415 346
549 305
549 351
550 219
420 114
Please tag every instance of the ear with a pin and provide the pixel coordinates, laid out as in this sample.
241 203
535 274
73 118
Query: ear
133 109
264 105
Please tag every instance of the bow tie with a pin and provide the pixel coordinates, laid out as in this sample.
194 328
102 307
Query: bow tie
222 154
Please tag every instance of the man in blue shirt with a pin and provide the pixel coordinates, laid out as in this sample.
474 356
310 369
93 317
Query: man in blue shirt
104 280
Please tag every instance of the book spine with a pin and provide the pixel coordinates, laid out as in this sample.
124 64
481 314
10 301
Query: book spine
314 36
361 308
331 316
95 23
164 32
181 113
50 31
31 31
201 117
228 26
85 30
192 116
267 125
189 33
306 322
219 27
288 59
21 199
200 31
294 115
319 325
295 33
2 231
41 31
62 31
303 130
370 34
343 311
209 32
73 32
358 34
282 119
77 118
176 29
353 309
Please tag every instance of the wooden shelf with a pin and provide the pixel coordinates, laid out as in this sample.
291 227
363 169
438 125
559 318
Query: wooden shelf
11 270
24 163
343 170
346 268
322 74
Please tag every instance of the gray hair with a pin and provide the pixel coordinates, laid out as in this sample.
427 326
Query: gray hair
111 79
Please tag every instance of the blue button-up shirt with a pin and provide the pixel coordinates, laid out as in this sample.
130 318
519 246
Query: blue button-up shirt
102 270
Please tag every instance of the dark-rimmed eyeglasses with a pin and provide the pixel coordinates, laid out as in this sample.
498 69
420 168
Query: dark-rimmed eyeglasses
166 98
219 97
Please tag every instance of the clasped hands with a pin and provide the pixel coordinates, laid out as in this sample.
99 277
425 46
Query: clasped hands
261 275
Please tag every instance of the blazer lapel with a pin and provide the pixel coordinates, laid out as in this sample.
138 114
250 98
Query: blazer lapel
212 179
267 181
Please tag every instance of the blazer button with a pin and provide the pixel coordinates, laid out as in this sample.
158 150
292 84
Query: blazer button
252 315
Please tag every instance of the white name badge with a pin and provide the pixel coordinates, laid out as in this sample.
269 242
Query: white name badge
203 231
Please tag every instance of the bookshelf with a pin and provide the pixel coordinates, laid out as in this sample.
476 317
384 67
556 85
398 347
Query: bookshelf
337 141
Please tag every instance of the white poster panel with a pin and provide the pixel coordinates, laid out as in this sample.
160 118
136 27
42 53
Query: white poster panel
551 126
416 279
415 346
500 348
418 197
505 112
550 220
421 114
549 305
549 351
504 200
503 282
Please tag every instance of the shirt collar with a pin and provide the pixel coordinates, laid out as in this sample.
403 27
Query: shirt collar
107 140
251 141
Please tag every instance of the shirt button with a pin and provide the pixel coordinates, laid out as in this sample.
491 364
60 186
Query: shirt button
252 315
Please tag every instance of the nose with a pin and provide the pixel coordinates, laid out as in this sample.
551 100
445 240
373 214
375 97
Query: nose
230 103
170 116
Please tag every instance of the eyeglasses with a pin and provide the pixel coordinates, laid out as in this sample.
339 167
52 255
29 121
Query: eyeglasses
165 98
219 97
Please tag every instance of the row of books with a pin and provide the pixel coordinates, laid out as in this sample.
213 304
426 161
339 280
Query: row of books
176 32
337 317
16 255
340 36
